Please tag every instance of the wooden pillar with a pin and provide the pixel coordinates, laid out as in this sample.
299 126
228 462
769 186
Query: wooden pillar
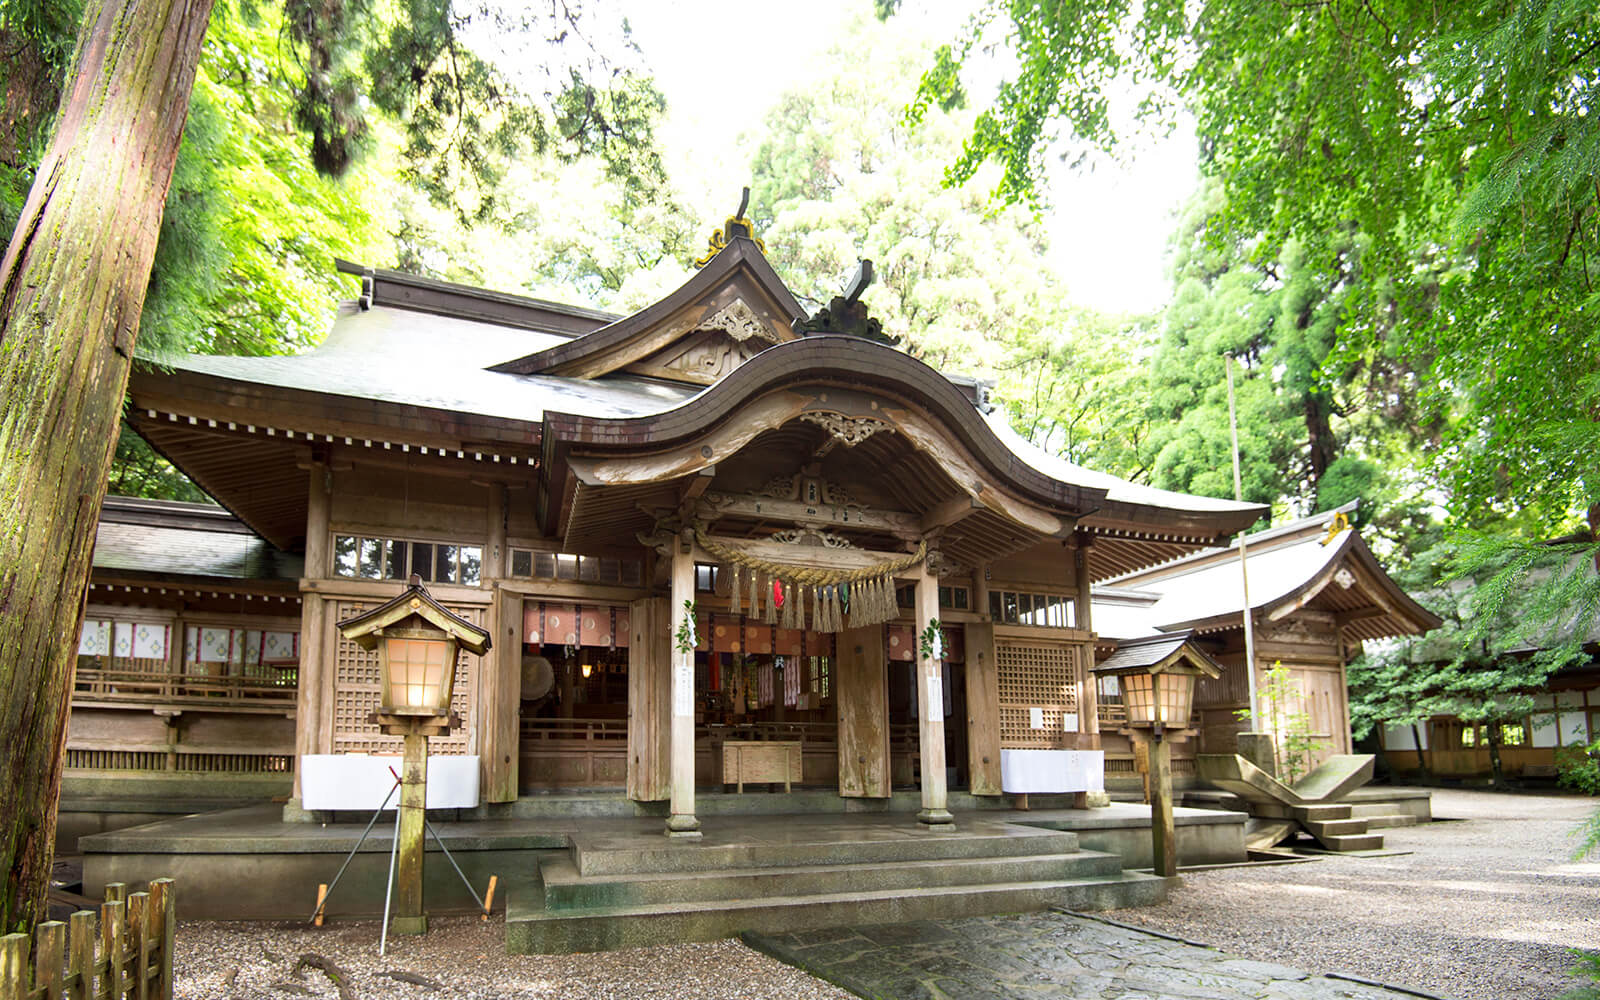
649 700
409 917
682 821
930 704
500 700
983 710
500 673
494 558
308 735
861 692
1089 704
1163 834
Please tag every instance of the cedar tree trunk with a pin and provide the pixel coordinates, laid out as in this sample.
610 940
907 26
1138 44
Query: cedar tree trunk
72 285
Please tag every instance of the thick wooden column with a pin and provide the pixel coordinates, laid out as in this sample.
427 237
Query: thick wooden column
682 821
1089 704
500 700
930 703
409 917
500 673
1163 834
649 700
308 735
983 709
861 692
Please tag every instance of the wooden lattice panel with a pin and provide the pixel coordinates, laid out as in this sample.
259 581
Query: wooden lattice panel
1037 676
356 692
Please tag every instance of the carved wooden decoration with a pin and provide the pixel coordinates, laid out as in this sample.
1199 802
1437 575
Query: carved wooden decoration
846 430
812 536
702 358
740 322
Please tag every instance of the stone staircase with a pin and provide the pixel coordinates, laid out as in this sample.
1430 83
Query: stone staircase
1381 815
1335 828
635 887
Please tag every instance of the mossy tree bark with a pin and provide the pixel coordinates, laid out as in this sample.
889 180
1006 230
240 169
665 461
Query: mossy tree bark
72 285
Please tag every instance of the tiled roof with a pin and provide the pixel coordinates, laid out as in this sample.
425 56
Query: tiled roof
174 539
421 359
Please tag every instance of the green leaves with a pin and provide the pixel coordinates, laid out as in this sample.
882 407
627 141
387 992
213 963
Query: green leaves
1431 170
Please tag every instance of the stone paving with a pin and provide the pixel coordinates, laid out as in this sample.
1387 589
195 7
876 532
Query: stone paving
1048 956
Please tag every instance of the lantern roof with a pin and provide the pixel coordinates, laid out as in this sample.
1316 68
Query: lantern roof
1172 651
367 628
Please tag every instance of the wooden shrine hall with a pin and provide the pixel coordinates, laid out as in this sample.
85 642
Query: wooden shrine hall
719 544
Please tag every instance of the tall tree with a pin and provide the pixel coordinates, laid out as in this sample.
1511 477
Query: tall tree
1458 140
75 276
838 176
72 285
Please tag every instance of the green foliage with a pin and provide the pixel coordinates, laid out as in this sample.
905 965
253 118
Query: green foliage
245 260
36 38
838 176
1586 964
137 471
565 232
1513 614
1079 388
1436 164
463 118
1294 748
931 643
684 639
1579 767
1589 843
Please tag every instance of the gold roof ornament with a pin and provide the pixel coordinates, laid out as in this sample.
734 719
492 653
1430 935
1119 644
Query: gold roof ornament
737 225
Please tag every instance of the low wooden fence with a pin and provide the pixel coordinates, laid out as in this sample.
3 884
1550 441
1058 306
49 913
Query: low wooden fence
135 933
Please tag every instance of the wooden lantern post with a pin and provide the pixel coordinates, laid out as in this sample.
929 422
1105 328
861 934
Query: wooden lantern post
1156 677
417 641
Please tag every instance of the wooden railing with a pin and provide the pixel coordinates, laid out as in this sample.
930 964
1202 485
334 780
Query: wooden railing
96 756
813 733
210 690
569 732
136 933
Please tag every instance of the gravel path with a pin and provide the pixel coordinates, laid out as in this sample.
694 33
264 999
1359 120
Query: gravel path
1484 908
466 958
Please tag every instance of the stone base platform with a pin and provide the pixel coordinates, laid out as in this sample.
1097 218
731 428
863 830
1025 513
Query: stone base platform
246 863
627 886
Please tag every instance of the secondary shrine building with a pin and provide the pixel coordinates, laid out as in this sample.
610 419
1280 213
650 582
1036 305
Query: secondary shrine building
716 543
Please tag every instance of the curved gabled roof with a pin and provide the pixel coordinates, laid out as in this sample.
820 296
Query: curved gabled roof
740 263
852 362
1289 567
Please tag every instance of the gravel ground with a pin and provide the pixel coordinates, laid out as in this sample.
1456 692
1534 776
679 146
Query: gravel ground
1483 908
462 957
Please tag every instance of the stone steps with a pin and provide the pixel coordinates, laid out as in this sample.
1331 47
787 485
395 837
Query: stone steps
1336 829
530 929
566 889
1382 822
1352 842
630 886
901 842
1321 829
1322 813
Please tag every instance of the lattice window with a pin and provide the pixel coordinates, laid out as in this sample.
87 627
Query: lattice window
1038 695
356 692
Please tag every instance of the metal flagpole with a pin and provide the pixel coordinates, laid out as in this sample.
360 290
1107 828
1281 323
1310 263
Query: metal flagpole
1244 572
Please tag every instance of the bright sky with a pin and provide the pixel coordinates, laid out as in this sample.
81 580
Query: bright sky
1109 228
